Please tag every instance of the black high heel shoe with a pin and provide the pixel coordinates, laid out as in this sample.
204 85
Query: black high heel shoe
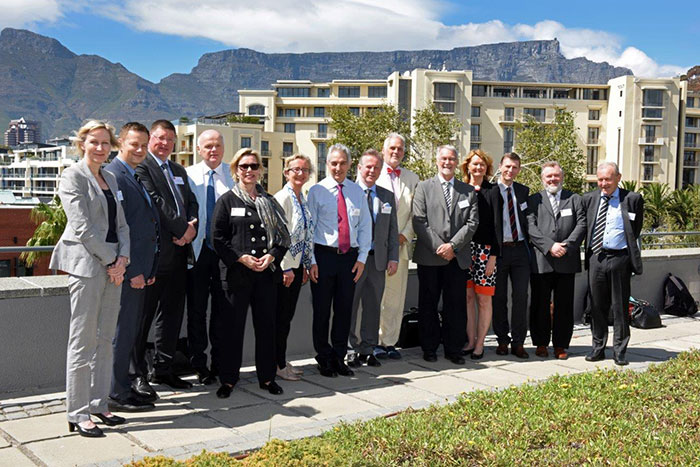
94 432
477 356
110 421
272 388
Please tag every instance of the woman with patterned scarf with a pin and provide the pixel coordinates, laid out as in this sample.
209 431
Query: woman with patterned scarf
297 261
251 238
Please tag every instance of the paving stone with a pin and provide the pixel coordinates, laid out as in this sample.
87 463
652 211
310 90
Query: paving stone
389 396
38 412
673 345
258 418
165 433
206 400
695 339
76 450
4 443
649 354
37 428
55 402
13 409
327 405
497 378
362 379
292 390
16 415
15 458
401 370
538 369
579 363
445 385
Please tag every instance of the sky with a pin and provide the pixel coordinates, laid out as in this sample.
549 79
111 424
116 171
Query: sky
155 38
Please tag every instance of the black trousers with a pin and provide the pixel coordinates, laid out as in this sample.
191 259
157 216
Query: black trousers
559 324
448 281
203 281
513 264
335 287
609 282
128 326
260 294
164 303
287 298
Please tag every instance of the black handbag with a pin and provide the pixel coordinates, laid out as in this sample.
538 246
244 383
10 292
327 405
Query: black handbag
409 334
644 315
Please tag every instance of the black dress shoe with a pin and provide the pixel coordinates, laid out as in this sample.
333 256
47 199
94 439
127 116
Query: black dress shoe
204 376
477 356
595 356
94 432
456 359
172 381
342 369
466 352
112 420
224 391
621 361
327 371
355 360
430 356
272 387
373 361
144 390
130 404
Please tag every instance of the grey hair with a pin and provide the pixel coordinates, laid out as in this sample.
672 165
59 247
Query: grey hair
612 164
205 132
391 136
447 147
341 148
552 164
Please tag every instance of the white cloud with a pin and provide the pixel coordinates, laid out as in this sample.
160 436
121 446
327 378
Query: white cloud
21 13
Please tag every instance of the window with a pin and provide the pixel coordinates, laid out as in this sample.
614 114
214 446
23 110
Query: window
653 97
475 133
265 177
504 92
648 153
479 90
287 149
652 113
290 128
688 177
594 94
473 145
292 112
593 114
508 134
444 97
563 93
321 153
322 130
376 91
5 268
405 98
537 114
245 142
690 102
256 109
593 133
355 111
319 111
265 148
293 92
535 93
689 158
648 175
323 92
692 122
476 111
650 133
691 140
348 91
591 160
509 114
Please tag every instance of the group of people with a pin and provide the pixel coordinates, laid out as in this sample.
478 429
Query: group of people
145 236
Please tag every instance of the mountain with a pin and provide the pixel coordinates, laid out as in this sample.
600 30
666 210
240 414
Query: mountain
42 80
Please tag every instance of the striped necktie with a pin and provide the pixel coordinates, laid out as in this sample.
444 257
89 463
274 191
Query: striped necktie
511 216
599 229
448 195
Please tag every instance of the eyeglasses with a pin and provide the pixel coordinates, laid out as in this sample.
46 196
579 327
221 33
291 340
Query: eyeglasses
299 170
244 167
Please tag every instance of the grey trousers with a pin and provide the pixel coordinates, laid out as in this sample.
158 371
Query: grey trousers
366 308
94 303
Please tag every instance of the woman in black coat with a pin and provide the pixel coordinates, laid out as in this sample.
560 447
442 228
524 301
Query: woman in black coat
250 237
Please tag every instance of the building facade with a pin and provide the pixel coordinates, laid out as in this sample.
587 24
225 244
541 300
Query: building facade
22 131
35 170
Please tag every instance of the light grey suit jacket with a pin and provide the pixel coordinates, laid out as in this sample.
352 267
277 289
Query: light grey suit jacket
386 230
83 249
434 225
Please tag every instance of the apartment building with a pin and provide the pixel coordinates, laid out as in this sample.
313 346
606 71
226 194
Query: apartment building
22 131
34 171
689 137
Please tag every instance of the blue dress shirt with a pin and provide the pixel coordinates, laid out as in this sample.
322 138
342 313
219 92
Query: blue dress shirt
614 235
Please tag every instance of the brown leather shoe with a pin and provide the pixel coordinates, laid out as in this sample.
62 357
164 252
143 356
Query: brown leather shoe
541 351
560 353
519 351
502 349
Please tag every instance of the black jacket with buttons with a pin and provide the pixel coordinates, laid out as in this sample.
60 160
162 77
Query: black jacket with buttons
236 231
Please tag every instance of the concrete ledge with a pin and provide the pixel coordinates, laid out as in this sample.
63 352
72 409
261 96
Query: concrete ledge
33 286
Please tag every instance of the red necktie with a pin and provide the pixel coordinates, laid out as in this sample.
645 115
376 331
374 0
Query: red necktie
397 171
343 224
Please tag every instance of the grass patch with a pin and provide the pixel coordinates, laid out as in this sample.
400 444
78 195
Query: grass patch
601 417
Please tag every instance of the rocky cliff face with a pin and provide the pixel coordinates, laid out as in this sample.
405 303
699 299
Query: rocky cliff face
42 80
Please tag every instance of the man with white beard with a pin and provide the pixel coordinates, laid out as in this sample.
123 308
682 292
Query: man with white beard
557 226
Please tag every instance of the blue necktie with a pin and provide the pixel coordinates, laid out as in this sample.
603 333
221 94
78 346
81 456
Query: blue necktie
211 201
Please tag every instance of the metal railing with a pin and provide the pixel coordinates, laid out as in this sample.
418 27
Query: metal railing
688 243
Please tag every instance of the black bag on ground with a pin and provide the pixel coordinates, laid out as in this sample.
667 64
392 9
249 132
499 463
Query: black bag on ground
677 298
644 315
408 336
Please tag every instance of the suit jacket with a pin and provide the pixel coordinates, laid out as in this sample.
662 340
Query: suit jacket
196 174
496 200
632 208
434 225
544 230
142 218
408 181
386 232
171 224
284 198
82 249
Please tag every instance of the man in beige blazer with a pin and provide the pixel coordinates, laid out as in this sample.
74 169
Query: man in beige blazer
402 182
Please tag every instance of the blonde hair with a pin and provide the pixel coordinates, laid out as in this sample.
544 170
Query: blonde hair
464 166
298 156
91 125
240 155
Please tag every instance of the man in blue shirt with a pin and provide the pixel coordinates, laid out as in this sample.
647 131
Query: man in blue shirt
614 222
342 240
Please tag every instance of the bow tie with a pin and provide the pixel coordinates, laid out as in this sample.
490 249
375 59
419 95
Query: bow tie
397 171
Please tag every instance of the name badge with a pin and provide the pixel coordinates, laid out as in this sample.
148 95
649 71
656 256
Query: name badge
179 181
523 206
633 215
386 208
120 196
566 212
237 212
463 204
355 212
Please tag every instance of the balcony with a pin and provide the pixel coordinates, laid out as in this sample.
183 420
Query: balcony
506 118
651 140
266 153
691 144
475 138
320 136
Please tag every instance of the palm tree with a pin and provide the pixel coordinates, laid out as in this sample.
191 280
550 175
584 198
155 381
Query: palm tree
51 220
656 199
629 185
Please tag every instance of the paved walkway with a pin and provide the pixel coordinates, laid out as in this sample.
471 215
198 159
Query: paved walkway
33 430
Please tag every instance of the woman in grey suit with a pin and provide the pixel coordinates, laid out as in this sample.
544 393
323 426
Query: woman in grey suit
94 251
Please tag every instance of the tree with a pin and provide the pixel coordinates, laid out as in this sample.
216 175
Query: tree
431 129
51 220
538 142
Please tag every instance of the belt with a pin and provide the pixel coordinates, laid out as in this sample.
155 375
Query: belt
609 252
514 244
370 252
335 250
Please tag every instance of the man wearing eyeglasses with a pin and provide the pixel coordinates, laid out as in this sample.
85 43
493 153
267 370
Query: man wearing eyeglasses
166 183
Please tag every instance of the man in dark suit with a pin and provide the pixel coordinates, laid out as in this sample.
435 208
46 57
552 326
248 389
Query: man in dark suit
383 256
142 217
166 183
614 222
510 207
557 225
445 217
